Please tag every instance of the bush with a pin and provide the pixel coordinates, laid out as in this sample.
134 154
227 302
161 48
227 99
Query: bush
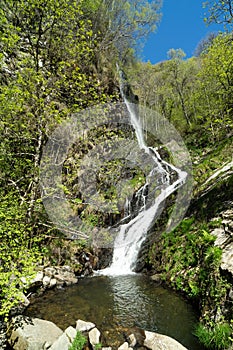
217 337
19 254
79 342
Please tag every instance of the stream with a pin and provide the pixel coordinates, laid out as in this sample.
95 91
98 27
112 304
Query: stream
117 303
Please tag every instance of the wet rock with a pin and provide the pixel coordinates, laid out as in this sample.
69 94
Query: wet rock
94 337
156 278
65 276
138 335
104 258
32 333
124 346
83 326
156 341
132 340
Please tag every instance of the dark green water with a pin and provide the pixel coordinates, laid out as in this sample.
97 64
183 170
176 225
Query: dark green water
115 304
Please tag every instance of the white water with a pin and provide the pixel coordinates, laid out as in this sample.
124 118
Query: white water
131 235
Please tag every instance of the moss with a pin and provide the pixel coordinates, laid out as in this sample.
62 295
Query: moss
189 262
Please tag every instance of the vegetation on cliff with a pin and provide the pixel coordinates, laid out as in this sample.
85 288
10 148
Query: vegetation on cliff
58 58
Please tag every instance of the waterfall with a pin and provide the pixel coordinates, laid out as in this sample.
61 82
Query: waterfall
132 234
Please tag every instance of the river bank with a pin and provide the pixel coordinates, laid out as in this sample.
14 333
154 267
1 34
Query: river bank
117 304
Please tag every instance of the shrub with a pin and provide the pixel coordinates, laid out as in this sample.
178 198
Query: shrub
79 342
217 337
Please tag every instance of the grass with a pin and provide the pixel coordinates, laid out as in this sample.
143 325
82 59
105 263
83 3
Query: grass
216 338
79 342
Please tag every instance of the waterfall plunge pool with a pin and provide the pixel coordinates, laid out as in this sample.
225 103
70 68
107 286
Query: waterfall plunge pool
118 303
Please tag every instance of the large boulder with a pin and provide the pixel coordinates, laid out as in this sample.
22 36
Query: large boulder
32 333
156 341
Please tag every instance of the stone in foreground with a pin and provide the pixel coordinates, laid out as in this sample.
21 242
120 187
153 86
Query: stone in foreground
83 326
94 337
156 341
33 333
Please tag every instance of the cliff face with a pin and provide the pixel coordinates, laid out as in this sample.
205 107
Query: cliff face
197 257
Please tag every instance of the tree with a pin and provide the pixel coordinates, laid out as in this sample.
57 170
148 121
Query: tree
220 11
168 87
46 51
215 82
181 78
121 24
204 44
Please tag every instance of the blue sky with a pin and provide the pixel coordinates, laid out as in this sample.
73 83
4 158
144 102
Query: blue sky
182 26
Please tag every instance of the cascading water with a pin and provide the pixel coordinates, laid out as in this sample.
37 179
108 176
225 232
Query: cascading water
132 234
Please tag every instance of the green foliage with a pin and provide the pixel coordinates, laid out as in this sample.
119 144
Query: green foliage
121 23
79 342
45 64
219 11
191 261
215 90
194 94
217 337
19 253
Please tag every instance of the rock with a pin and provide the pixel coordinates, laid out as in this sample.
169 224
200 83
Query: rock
36 282
138 334
124 346
83 326
24 280
227 258
3 335
62 343
156 341
231 294
65 277
50 271
106 348
66 268
221 236
52 283
21 306
223 240
25 301
132 340
39 277
46 281
156 278
32 333
65 340
71 333
94 337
